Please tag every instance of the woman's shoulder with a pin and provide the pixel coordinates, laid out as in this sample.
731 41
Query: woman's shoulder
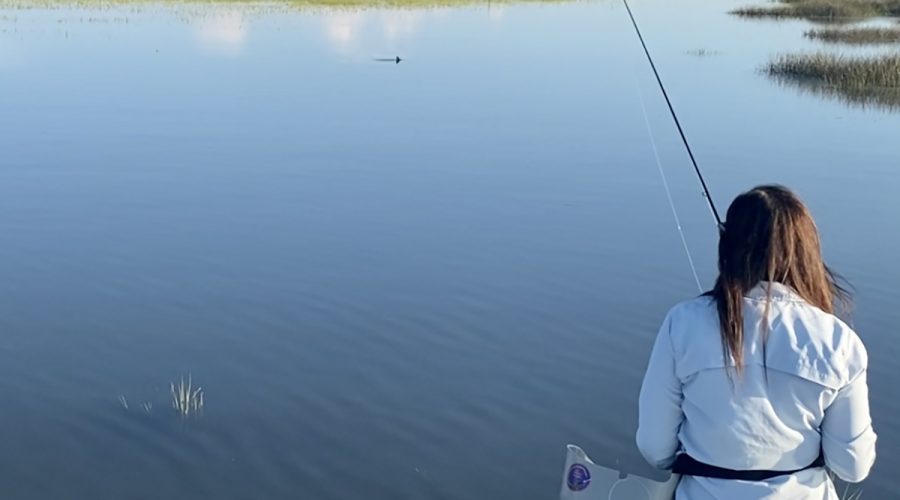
692 311
815 344
801 339
693 329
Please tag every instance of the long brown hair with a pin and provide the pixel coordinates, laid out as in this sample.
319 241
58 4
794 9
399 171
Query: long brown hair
769 236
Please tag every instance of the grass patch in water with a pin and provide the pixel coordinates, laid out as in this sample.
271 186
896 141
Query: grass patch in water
187 400
856 36
840 71
865 81
824 10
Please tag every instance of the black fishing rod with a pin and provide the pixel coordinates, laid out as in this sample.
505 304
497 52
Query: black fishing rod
665 94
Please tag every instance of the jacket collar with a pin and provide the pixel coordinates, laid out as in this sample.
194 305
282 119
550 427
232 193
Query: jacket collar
778 291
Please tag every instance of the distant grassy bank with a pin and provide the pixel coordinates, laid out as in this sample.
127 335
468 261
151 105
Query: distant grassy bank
26 4
824 10
856 36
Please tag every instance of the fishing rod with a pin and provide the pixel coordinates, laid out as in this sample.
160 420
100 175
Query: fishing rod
706 194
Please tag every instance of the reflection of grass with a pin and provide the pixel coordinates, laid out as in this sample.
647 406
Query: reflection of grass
857 36
865 81
702 52
824 10
883 99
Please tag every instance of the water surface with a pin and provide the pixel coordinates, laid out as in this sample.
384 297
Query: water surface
414 280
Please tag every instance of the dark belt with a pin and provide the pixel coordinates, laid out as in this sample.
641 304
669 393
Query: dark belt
687 466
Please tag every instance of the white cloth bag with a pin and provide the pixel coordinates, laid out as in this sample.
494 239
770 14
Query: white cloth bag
585 480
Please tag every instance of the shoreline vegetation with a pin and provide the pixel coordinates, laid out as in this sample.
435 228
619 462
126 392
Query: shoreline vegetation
287 4
859 73
861 81
865 81
856 36
828 11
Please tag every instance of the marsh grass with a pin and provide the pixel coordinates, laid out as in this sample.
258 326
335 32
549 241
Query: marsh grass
863 81
187 400
262 4
856 36
824 10
858 73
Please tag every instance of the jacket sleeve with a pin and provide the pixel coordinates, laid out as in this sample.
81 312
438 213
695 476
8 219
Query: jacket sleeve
848 441
659 406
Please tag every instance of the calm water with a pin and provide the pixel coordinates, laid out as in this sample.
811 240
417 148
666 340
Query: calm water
392 281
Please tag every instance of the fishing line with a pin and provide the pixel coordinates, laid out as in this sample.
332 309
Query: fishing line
665 183
709 200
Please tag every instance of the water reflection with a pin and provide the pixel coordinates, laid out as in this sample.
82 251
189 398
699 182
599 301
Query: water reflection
223 32
886 99
390 263
496 13
342 30
398 25
223 29
347 32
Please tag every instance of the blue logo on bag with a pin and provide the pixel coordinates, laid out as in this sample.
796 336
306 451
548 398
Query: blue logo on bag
579 477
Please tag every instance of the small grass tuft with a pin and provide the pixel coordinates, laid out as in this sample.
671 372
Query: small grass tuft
856 36
187 399
702 52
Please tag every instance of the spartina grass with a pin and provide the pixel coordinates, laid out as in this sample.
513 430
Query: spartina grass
842 72
867 82
813 12
187 400
856 36
824 10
